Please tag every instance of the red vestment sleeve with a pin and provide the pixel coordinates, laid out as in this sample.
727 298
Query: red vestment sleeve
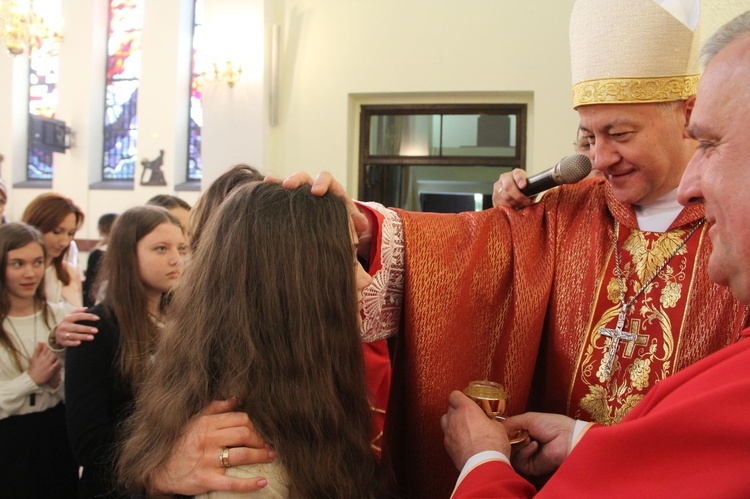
475 299
487 478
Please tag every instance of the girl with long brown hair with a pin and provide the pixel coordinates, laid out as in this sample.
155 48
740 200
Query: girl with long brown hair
215 194
142 263
35 458
268 312
58 219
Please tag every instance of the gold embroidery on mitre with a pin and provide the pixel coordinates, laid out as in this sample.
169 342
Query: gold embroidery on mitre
650 358
634 90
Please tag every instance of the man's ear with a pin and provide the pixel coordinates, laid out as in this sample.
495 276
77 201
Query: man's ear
688 110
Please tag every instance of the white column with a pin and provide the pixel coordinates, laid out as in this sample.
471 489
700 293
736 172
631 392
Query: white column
14 91
164 94
81 96
234 118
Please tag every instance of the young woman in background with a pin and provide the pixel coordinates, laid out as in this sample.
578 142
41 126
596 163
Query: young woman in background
142 263
58 219
35 457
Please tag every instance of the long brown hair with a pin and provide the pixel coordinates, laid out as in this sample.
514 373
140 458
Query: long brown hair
14 236
215 194
125 295
46 212
266 311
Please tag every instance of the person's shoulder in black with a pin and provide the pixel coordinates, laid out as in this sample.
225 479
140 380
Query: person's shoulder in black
92 272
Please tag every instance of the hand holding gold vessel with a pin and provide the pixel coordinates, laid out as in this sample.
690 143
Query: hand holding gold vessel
493 400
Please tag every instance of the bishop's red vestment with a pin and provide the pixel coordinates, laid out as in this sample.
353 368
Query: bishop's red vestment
519 297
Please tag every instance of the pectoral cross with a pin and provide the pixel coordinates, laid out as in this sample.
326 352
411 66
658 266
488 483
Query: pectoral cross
616 335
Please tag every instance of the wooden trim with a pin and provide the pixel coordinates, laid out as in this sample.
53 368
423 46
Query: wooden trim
367 111
444 161
416 109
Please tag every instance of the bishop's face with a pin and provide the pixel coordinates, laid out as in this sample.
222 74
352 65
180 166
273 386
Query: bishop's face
641 149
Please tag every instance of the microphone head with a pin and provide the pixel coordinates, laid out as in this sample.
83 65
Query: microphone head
573 168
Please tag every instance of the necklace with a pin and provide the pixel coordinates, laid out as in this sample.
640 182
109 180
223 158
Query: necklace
618 334
25 353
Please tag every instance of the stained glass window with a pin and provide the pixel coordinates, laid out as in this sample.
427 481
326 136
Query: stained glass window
44 62
121 95
195 164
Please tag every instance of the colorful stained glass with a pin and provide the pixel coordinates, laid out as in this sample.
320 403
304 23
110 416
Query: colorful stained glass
44 62
195 163
121 95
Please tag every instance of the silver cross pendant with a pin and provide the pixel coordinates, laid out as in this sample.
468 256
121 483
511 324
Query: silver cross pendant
615 336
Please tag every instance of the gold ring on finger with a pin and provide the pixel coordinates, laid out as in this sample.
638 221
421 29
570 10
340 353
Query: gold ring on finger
224 457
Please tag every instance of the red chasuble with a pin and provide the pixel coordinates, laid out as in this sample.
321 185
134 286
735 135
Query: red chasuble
518 297
687 438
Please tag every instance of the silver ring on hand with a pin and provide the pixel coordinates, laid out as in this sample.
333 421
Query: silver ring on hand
224 457
67 336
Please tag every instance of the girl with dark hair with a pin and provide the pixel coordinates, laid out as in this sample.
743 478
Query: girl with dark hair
35 458
178 206
273 320
219 189
142 262
58 219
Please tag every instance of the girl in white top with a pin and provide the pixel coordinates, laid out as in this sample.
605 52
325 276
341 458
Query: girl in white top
58 218
32 413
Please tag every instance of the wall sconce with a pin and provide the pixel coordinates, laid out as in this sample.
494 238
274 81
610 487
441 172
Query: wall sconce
228 72
22 29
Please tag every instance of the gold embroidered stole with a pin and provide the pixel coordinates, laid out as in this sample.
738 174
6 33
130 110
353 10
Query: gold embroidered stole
660 318
655 318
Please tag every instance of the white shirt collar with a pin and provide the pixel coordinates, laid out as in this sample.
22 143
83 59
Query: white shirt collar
659 215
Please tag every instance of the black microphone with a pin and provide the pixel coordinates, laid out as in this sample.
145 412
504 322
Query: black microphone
569 170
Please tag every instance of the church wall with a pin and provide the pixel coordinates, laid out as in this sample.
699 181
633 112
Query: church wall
339 55
335 56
